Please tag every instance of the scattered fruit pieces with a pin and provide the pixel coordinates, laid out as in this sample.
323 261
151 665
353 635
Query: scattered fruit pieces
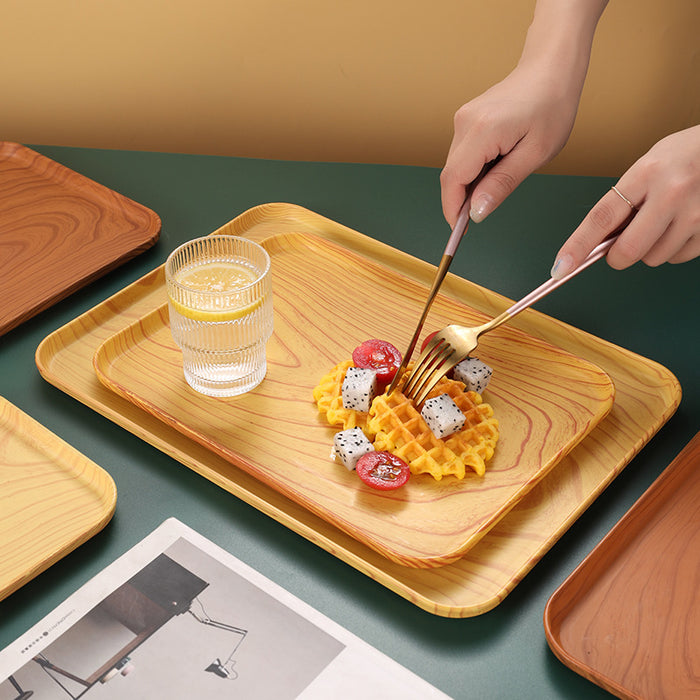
380 356
350 445
359 388
474 373
443 416
428 338
382 470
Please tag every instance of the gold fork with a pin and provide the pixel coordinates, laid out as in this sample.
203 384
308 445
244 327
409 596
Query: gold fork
454 343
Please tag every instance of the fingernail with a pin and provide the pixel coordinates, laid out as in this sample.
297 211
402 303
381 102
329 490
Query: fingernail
480 209
562 267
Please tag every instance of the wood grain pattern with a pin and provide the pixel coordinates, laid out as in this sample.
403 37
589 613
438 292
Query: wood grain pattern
646 395
546 401
52 498
58 231
628 618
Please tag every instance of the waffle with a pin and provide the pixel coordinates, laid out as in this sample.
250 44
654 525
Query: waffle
329 399
395 424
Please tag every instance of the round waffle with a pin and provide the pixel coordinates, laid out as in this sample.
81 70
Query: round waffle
394 424
329 399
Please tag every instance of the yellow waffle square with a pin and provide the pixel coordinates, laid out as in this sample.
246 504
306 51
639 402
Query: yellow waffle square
329 399
395 424
398 427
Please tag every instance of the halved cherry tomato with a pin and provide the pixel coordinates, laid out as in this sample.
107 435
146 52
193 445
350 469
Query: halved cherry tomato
428 338
378 355
382 470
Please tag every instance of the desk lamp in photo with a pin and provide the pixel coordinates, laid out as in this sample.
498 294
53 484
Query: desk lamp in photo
131 614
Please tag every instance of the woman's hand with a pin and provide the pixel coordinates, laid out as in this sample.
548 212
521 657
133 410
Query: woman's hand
664 188
526 119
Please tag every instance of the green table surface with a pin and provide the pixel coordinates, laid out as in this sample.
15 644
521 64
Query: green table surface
500 654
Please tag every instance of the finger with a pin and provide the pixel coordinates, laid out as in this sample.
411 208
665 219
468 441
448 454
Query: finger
689 251
498 183
677 244
608 215
637 239
463 164
652 236
453 184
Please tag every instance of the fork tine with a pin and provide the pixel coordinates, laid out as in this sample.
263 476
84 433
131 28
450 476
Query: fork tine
436 353
425 357
438 373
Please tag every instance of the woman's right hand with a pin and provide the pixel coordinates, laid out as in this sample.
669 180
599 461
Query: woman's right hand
526 119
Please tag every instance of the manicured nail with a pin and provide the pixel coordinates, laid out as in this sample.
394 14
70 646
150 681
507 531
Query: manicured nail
481 208
562 267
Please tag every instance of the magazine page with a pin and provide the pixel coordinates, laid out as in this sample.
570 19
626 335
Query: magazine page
179 617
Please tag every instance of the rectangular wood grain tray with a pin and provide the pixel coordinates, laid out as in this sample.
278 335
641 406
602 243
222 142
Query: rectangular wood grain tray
628 617
646 395
327 300
59 230
52 498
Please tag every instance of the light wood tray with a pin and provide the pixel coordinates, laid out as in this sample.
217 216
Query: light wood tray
628 617
52 498
60 230
327 300
646 395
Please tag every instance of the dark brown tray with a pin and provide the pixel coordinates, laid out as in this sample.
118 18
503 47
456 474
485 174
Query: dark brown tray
628 618
59 230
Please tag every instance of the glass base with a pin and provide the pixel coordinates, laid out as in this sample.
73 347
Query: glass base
223 379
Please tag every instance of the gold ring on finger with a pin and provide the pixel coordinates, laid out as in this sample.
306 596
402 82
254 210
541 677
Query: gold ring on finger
623 198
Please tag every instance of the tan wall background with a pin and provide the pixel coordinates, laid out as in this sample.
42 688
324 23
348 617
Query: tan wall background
360 81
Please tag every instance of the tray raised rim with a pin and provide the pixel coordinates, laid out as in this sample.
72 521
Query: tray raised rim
475 586
45 169
617 545
88 482
417 552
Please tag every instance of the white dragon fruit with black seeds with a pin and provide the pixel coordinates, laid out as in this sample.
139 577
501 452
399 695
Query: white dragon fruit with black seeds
442 415
474 373
350 445
359 388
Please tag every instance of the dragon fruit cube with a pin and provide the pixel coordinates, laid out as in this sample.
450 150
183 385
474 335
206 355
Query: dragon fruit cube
359 388
350 445
474 373
442 415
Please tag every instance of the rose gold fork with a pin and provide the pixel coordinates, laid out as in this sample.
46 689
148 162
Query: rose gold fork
453 343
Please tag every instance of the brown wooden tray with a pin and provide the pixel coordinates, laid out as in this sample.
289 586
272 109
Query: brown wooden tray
52 498
546 401
646 395
59 230
628 617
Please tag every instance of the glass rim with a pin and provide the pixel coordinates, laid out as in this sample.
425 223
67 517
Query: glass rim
169 279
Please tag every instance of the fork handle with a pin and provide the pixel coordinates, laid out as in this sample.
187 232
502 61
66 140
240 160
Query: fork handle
600 251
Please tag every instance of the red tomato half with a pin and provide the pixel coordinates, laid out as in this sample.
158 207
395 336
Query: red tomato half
382 470
428 338
378 355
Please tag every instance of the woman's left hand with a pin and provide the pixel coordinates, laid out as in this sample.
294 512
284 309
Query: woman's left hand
663 186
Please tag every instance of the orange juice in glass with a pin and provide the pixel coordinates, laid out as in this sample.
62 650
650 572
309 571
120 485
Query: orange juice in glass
220 305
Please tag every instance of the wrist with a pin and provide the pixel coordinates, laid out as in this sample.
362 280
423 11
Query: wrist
560 38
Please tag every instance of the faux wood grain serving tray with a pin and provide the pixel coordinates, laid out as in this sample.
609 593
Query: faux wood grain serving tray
327 300
52 498
628 618
646 395
59 230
